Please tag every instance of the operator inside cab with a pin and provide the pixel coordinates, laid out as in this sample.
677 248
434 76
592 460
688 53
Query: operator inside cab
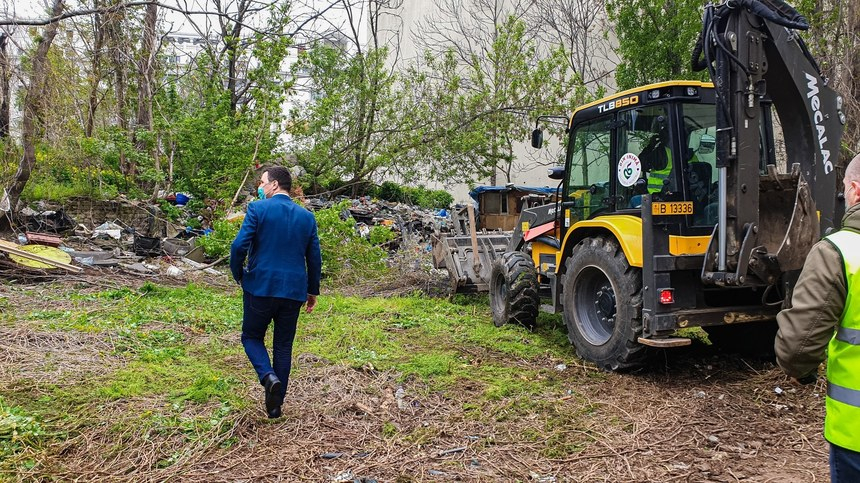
656 158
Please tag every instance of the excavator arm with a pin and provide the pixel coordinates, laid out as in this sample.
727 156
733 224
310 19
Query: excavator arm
769 217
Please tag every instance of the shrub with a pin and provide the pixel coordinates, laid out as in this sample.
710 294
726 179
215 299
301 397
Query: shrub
347 256
419 195
217 243
380 235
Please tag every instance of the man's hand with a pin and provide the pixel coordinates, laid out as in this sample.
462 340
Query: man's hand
312 302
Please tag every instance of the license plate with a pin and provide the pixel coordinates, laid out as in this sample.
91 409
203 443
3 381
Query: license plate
672 208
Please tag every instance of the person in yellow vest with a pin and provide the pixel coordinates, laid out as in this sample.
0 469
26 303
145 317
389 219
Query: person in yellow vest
825 320
657 157
658 178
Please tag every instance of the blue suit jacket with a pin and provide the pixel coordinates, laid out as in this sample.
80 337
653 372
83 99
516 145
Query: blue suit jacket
279 239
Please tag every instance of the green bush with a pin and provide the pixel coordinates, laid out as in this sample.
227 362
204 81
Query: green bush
171 211
217 243
347 257
419 195
380 235
391 191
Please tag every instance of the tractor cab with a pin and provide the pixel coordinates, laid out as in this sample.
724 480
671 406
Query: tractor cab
657 140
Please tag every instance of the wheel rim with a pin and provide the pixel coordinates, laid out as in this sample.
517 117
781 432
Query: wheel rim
595 305
500 294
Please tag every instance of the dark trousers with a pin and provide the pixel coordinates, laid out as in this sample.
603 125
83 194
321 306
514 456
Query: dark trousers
844 465
259 311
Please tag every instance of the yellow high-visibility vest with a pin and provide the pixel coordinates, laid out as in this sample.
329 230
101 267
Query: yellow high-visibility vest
657 177
842 421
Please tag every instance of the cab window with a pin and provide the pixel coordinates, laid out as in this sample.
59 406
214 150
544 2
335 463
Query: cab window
589 161
700 131
645 153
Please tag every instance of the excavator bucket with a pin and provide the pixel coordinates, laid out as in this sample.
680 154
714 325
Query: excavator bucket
788 224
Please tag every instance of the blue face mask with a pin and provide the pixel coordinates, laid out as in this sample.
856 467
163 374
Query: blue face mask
260 193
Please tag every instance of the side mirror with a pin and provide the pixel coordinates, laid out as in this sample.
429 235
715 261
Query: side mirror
556 172
537 138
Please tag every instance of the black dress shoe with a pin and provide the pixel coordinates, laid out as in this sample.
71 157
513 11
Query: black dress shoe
275 413
272 386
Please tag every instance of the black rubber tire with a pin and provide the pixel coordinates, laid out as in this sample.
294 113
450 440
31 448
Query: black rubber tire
753 339
514 288
602 298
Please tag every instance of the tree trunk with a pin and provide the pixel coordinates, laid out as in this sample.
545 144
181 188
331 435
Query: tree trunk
5 74
852 76
96 75
33 107
114 33
145 71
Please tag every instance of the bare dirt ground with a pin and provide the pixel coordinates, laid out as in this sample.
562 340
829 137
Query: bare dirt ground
693 415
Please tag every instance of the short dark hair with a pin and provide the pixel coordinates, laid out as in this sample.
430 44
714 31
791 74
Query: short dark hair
281 175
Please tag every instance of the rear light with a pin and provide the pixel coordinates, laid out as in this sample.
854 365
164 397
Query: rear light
667 296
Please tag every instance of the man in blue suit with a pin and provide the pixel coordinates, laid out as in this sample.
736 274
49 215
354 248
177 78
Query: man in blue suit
279 240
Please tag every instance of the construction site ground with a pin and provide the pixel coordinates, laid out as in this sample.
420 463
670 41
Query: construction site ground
114 378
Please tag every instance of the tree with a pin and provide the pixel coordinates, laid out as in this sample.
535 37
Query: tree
488 78
33 108
112 53
655 39
353 126
834 40
5 92
579 26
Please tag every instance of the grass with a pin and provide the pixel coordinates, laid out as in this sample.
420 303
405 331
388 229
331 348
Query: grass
178 349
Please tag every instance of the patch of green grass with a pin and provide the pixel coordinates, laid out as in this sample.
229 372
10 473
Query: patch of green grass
389 430
152 345
203 309
177 349
180 378
439 367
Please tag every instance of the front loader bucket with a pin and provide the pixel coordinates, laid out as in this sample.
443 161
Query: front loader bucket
456 253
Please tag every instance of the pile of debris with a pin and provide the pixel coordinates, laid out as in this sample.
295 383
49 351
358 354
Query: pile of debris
52 241
137 238
406 221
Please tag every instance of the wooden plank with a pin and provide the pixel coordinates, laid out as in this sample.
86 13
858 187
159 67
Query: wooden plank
667 342
473 232
11 248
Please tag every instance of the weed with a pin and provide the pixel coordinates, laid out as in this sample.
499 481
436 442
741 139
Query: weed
217 243
389 430
17 430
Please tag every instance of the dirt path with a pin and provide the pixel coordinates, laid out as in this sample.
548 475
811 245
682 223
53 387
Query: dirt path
689 423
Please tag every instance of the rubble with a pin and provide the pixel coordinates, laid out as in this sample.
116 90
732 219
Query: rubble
403 219
137 237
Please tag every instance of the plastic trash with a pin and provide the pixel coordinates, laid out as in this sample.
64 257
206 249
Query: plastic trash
398 396
110 229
